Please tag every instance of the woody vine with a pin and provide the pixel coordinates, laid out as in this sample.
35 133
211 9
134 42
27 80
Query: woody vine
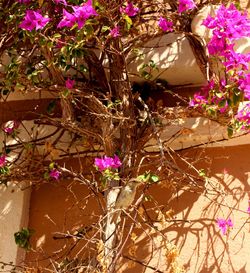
78 52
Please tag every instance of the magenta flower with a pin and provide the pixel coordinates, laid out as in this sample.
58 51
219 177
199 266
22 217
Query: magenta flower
107 162
224 225
165 25
79 16
236 60
115 32
198 100
33 20
244 85
3 161
54 173
68 20
83 13
70 83
130 10
228 25
185 5
243 115
10 126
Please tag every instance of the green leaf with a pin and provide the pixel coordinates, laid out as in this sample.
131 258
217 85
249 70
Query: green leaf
51 107
147 198
128 21
51 165
22 238
143 177
230 131
57 36
236 98
19 86
154 178
88 30
105 28
202 172
65 93
4 170
46 176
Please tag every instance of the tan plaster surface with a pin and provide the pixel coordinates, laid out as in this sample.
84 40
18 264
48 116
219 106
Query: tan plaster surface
203 249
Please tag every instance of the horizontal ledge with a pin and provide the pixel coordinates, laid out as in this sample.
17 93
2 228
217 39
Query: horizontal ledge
26 109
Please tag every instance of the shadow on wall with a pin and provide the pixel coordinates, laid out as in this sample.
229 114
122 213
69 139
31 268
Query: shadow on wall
59 209
193 229
174 60
189 222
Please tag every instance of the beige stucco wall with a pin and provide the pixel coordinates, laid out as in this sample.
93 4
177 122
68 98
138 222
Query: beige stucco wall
203 249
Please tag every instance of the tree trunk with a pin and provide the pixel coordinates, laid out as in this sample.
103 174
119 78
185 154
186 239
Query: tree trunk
121 91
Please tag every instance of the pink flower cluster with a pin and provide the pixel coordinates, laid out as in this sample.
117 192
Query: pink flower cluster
243 116
3 161
201 98
80 15
10 126
224 225
115 32
129 10
185 5
33 20
54 173
227 26
165 25
70 83
107 162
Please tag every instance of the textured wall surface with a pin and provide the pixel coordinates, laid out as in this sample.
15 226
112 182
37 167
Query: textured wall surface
203 249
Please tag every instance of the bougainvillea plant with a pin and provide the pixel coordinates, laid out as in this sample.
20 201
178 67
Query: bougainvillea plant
77 54
226 91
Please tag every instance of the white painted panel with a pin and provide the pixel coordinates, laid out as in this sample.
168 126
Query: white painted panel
14 204
174 58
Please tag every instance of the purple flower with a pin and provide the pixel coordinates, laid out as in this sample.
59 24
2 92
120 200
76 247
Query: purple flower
70 83
107 162
130 10
165 25
3 161
185 5
115 32
68 20
10 126
224 224
54 173
33 20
